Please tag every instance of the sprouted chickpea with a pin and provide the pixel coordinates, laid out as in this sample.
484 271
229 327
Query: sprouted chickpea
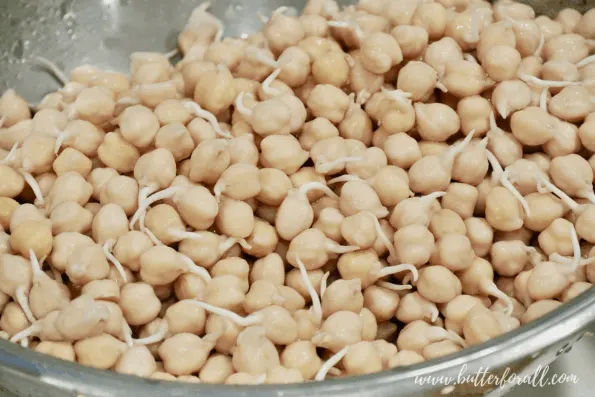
264 210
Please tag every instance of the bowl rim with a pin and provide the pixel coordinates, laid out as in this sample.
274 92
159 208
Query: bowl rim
564 322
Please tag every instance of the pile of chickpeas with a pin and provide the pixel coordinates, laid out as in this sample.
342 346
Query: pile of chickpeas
346 191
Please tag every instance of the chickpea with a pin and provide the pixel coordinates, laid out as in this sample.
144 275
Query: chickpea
329 102
411 39
480 325
379 52
118 153
539 309
183 354
569 47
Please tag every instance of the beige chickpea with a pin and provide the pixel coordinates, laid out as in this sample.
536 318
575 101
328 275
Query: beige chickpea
13 319
320 249
433 276
357 196
574 290
419 334
440 349
474 112
329 222
417 78
7 208
356 125
573 175
340 329
412 39
501 62
98 178
545 208
571 104
70 217
331 69
220 81
138 125
117 153
432 17
226 291
569 19
235 218
216 370
282 152
415 307
13 108
139 303
107 290
269 268
37 154
584 25
32 235
184 354
72 160
463 78
316 130
395 113
402 150
480 325
329 102
12 182
546 282
539 309
565 142
110 222
405 358
255 353
510 96
481 235
63 246
175 138
414 244
439 53
122 191
102 351
87 263
509 258
70 186
569 47
136 360
362 358
444 222
382 302
478 279
453 251
129 248
343 295
379 52
95 105
556 238
61 350
503 211
83 317
185 317
532 126
301 356
461 198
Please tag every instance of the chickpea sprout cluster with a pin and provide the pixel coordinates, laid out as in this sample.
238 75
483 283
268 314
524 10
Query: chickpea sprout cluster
346 191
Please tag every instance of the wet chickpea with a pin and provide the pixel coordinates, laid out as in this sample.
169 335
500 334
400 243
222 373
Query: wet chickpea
539 309
474 112
569 47
438 284
248 233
